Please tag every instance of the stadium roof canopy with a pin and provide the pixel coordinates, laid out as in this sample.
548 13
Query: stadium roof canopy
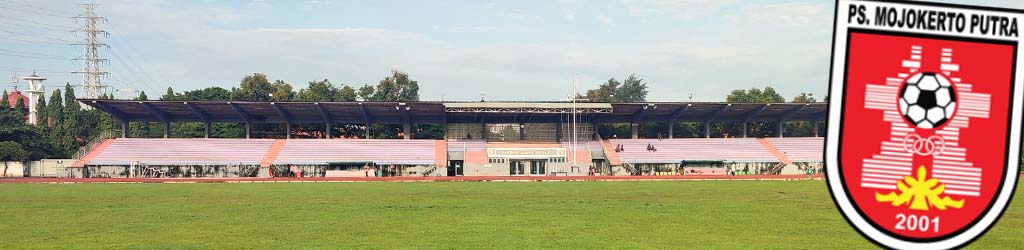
450 112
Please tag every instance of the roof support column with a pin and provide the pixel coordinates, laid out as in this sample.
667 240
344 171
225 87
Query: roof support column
707 129
125 127
366 117
749 116
558 130
815 128
711 118
675 118
167 130
671 125
483 130
286 117
206 129
406 120
407 131
787 115
245 118
635 128
328 119
327 131
483 127
781 126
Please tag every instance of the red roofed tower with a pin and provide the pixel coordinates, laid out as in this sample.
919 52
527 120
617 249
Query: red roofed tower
12 100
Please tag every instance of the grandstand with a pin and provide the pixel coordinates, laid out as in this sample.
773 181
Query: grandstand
481 139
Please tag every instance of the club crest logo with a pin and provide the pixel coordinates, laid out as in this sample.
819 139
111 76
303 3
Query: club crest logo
923 147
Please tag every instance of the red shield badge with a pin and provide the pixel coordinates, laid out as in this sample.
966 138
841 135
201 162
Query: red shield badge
923 146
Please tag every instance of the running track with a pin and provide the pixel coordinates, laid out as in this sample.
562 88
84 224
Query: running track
411 179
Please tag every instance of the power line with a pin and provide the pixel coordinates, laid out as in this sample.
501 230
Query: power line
25 5
34 22
46 37
30 41
28 10
9 68
32 26
29 53
36 57
134 68
133 61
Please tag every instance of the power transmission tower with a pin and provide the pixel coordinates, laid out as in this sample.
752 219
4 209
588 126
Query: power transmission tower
92 83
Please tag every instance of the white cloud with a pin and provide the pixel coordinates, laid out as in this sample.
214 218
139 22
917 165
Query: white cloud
195 46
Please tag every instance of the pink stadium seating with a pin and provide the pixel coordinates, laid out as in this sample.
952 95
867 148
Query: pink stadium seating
801 149
383 152
693 149
585 145
182 151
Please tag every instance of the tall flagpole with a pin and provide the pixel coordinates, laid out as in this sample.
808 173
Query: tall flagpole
574 136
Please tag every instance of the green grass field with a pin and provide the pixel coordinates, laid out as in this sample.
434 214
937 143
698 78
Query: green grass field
512 215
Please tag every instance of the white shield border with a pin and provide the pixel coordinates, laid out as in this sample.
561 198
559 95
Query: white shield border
834 179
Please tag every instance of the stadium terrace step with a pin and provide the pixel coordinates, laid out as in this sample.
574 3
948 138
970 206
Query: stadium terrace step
692 149
93 153
800 149
610 154
775 151
378 151
180 151
272 153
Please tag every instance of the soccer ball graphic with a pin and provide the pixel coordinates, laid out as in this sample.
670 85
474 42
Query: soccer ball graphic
927 100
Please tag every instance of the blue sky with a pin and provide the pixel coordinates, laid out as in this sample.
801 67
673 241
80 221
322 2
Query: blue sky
457 50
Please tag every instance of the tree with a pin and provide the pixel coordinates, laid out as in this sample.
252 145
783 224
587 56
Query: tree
42 117
56 113
9 117
3 101
11 151
254 88
318 91
20 108
396 88
804 98
346 94
70 128
207 94
605 92
801 128
633 89
366 92
282 92
756 129
170 95
141 129
755 95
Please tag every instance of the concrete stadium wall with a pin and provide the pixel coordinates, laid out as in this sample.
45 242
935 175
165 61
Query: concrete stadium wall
11 169
49 168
